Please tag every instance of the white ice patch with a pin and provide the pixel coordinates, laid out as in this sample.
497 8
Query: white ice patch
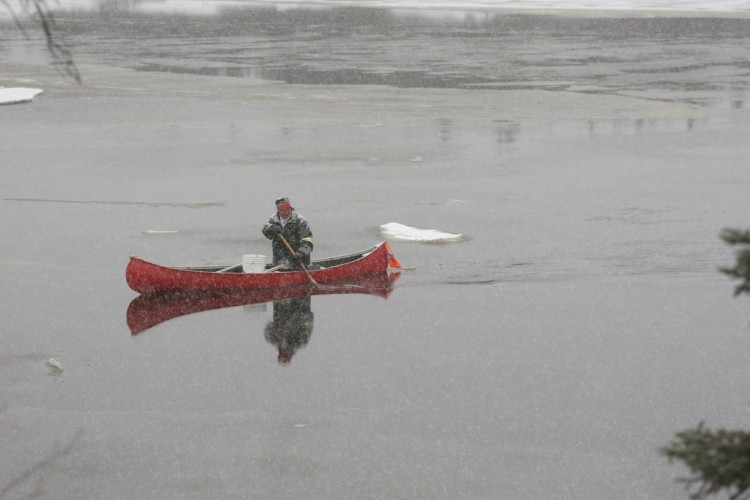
55 368
160 231
452 201
400 232
15 95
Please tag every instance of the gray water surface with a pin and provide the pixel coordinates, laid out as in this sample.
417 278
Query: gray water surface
581 322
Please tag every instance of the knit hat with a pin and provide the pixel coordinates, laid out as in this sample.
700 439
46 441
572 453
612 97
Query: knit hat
283 203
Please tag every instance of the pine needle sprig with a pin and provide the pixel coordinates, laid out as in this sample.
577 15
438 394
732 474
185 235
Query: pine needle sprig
718 460
741 270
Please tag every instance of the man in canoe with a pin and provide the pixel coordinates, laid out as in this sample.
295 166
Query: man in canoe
287 224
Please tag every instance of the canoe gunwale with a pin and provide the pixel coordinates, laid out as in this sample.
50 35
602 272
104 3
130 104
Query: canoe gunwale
315 265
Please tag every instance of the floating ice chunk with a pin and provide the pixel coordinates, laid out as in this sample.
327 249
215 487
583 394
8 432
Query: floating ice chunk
401 232
14 95
161 231
451 201
55 368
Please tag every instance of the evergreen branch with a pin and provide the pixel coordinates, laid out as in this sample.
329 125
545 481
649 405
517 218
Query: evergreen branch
717 459
741 270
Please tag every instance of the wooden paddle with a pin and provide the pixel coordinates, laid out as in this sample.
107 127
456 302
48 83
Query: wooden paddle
230 268
293 253
274 269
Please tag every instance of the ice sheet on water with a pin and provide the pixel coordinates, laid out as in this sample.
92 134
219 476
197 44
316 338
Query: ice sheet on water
432 8
14 95
562 5
401 232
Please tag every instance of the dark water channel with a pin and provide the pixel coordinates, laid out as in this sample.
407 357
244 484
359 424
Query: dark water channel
589 163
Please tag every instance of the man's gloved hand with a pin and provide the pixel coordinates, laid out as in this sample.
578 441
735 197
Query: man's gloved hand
302 253
275 230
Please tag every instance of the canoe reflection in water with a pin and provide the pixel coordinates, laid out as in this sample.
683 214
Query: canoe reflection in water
293 318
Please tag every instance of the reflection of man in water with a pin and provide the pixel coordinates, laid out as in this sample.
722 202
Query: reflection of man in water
291 327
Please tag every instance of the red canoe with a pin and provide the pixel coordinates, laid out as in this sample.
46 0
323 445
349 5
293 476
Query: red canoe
146 277
149 310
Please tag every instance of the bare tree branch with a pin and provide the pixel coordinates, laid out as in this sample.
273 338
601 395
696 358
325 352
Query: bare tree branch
62 56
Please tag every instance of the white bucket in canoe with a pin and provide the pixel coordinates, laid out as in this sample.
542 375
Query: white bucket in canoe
252 263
